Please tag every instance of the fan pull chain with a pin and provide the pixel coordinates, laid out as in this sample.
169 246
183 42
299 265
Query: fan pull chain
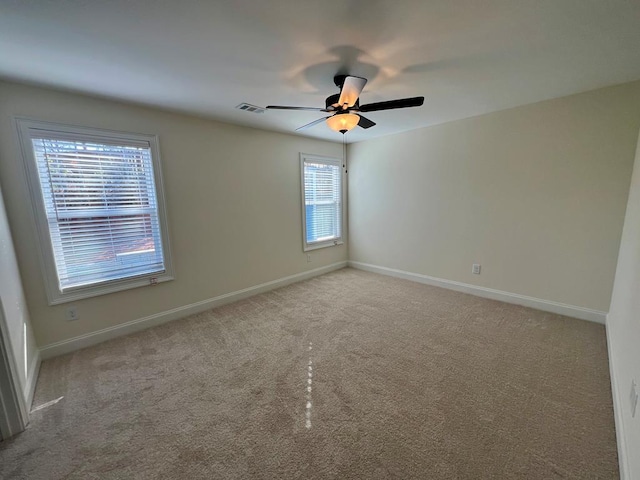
344 152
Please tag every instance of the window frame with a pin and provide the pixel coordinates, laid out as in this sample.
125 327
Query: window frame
328 161
27 129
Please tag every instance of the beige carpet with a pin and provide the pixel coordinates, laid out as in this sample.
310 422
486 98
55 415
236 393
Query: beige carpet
407 381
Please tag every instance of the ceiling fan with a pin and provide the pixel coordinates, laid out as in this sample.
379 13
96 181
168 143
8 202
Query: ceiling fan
345 106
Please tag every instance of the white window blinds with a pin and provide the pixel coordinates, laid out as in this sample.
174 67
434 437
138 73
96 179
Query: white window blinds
101 209
322 188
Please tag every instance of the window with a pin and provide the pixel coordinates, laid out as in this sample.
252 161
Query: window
98 203
322 200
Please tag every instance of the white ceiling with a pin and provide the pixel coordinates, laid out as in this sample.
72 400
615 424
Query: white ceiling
467 57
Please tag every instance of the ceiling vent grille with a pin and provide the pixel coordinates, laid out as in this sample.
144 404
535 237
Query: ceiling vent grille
247 107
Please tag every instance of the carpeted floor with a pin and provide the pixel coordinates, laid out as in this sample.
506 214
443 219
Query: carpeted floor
350 375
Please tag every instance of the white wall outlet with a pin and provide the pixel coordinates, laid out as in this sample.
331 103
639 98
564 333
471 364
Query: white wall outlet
308 258
634 398
72 314
475 269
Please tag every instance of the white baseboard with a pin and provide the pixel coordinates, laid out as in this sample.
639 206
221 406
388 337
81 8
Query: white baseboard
617 408
32 380
507 297
93 338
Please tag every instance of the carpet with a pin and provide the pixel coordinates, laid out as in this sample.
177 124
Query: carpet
351 375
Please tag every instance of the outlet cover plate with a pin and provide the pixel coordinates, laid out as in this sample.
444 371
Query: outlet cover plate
72 314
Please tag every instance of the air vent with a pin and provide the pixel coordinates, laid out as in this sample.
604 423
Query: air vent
250 108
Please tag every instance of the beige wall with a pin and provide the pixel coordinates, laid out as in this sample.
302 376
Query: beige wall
15 313
623 330
233 200
536 194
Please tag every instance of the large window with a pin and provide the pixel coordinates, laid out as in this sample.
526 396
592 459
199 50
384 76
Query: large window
98 202
322 201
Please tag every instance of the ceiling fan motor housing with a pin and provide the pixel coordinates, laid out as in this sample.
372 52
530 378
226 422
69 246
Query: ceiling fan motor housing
331 103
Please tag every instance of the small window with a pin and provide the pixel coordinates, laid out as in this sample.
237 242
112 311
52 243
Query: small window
322 201
98 202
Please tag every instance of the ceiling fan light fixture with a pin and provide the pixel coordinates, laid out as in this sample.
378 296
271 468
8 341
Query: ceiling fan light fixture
343 122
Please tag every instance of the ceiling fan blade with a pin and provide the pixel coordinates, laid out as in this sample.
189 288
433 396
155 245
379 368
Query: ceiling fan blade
365 122
351 89
391 104
315 122
282 107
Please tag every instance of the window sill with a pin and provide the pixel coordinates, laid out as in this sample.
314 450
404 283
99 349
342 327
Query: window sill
316 246
106 288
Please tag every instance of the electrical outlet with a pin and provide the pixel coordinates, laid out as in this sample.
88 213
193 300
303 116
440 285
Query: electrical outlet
72 314
308 258
634 398
475 269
